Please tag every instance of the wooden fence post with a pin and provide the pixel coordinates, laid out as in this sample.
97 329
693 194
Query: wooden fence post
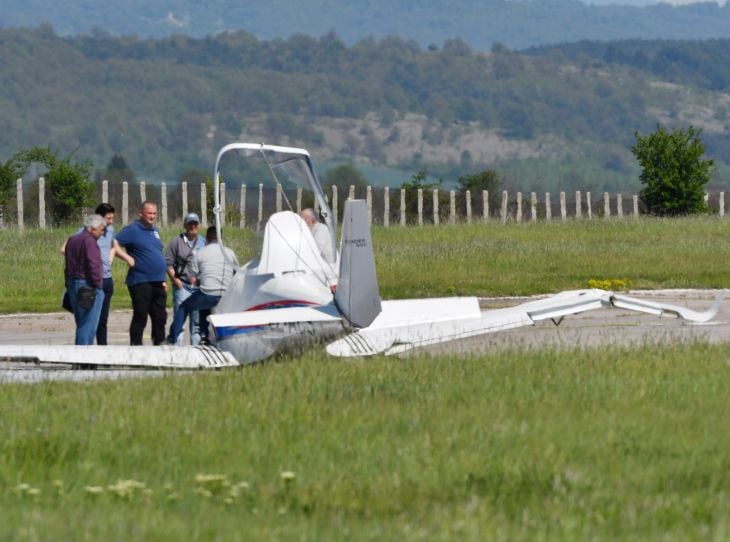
19 200
261 206
42 203
184 198
334 200
142 191
588 205
386 206
485 205
242 207
420 206
369 203
619 206
436 206
548 207
722 204
468 206
606 205
452 207
222 198
163 203
402 206
563 212
636 206
125 202
203 206
518 215
578 205
533 206
504 206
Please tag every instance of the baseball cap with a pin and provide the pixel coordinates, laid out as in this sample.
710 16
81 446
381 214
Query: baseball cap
191 217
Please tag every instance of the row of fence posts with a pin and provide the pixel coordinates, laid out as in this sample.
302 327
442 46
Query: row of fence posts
504 214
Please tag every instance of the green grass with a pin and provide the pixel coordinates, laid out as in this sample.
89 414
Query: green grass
485 260
627 444
601 444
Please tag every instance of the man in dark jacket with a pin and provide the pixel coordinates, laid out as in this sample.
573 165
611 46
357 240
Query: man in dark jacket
179 255
84 278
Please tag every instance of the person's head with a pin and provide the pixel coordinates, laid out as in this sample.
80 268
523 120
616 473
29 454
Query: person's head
95 224
107 211
191 222
148 213
211 236
309 217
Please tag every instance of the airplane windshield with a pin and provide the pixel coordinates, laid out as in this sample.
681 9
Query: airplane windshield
264 167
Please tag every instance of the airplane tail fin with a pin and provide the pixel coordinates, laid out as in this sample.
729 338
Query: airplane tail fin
357 296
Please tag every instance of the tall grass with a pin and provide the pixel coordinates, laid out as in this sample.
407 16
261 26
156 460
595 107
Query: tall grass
602 444
491 259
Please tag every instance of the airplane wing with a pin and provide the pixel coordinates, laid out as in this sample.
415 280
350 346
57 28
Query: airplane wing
408 324
151 357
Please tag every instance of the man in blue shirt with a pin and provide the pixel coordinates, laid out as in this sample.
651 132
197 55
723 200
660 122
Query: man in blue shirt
146 279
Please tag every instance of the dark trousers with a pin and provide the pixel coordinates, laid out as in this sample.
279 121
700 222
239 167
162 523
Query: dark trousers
148 298
101 330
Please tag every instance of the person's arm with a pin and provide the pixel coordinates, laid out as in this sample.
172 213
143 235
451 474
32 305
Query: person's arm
63 248
170 257
119 252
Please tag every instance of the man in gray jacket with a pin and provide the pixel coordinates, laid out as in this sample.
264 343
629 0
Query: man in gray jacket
179 256
212 270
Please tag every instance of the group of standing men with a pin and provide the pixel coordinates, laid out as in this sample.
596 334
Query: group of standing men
199 271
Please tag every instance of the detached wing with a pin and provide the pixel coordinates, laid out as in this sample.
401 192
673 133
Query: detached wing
150 357
408 324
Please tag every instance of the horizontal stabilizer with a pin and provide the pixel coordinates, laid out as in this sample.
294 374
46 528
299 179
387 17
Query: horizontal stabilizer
151 357
324 313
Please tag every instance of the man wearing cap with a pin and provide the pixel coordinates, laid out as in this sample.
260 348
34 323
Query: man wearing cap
178 256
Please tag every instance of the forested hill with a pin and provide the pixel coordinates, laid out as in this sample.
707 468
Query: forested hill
698 63
168 105
480 23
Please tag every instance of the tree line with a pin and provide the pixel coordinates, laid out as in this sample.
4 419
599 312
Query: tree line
167 105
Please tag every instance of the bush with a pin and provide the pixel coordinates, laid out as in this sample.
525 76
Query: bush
673 171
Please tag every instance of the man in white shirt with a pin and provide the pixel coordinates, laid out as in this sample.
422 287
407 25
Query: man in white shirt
320 233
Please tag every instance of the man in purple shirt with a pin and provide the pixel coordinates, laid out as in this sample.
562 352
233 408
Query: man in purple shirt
84 278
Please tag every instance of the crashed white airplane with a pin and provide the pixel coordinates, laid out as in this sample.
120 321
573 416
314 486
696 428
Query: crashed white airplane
291 297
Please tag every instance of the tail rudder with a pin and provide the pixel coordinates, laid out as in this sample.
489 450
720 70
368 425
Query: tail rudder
357 296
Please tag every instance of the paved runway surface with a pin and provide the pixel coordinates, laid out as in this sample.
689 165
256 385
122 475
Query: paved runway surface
591 329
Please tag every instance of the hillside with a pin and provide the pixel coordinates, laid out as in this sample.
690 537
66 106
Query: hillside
480 23
544 120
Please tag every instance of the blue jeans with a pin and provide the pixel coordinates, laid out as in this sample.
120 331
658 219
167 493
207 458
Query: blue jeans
87 320
203 303
179 315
